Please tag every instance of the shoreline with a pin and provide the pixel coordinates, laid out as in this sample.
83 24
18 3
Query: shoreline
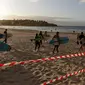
29 30
48 29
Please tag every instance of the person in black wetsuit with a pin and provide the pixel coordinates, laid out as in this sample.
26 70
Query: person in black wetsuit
83 44
80 37
81 40
5 33
42 37
37 41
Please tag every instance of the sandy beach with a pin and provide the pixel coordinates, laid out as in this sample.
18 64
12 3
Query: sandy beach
37 73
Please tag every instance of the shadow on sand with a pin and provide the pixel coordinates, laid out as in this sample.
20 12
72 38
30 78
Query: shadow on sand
17 75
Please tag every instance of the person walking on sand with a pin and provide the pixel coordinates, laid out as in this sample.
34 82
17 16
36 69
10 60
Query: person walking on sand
56 39
37 42
5 33
80 37
42 37
82 44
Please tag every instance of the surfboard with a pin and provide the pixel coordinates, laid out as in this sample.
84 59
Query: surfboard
63 40
4 46
8 35
1 35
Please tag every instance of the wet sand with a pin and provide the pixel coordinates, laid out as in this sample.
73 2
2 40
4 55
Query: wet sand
37 73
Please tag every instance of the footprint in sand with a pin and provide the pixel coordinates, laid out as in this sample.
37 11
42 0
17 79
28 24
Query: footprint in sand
50 53
42 49
20 50
4 53
37 73
12 51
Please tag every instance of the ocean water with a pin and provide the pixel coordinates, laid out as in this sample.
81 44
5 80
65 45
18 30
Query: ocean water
66 29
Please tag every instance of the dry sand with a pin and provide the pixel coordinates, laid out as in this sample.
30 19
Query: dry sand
35 74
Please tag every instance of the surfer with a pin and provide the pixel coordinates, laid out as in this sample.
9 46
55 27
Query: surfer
5 33
79 38
37 42
56 39
42 37
82 44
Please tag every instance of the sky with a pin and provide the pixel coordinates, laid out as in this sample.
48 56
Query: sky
58 10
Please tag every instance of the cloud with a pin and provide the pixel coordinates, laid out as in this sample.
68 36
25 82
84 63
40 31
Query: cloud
33 0
82 0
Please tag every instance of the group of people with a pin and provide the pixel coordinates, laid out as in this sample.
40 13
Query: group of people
40 37
81 40
56 38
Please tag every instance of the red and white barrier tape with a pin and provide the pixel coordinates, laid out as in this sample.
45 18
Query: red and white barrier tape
63 77
42 60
